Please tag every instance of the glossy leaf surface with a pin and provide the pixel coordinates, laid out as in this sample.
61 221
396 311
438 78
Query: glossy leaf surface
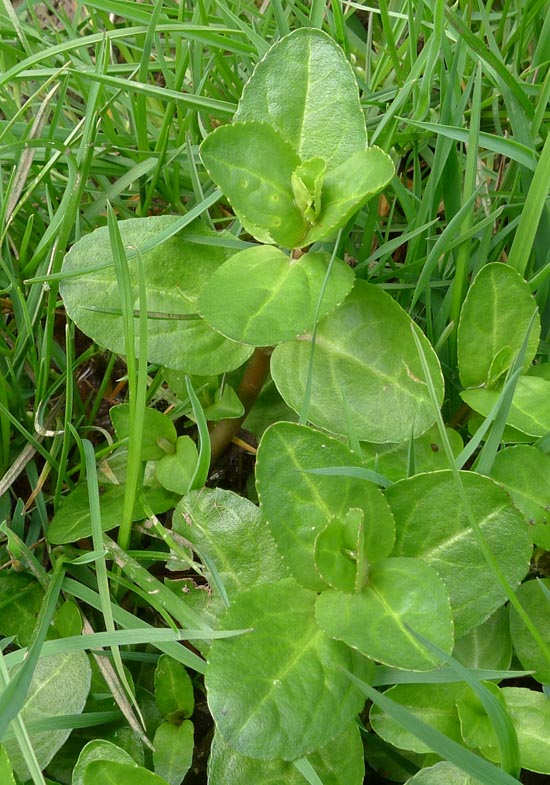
432 524
493 323
349 187
253 164
365 370
402 596
274 296
434 704
102 772
298 505
173 753
99 749
340 762
525 473
304 86
533 598
530 409
279 691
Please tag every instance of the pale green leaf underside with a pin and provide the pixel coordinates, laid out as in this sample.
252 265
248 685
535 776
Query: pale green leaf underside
365 348
493 324
279 691
402 596
340 762
59 685
262 297
442 772
307 90
175 273
530 409
299 505
253 165
432 524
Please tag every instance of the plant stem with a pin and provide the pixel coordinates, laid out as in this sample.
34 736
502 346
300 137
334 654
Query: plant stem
250 387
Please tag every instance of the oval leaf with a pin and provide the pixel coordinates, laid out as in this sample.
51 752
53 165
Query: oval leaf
535 600
103 772
59 685
232 533
253 165
173 754
365 369
525 473
530 409
494 320
403 596
175 272
340 762
299 505
304 87
98 749
275 296
288 691
432 524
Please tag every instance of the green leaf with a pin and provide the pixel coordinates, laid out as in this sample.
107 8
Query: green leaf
6 771
289 694
339 762
173 688
488 645
339 552
59 686
432 524
533 598
72 522
442 772
102 772
530 713
366 369
392 460
253 165
98 749
525 473
349 187
307 90
274 297
175 472
494 319
20 601
175 272
299 505
434 704
158 429
477 729
231 532
530 409
226 405
402 596
307 185
173 754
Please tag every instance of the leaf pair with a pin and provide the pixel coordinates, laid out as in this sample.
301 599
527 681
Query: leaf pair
294 164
